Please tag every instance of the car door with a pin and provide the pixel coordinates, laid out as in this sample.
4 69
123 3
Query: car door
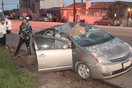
105 21
51 55
100 22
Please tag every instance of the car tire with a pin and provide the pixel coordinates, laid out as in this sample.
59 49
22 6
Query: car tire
109 24
95 23
8 31
84 71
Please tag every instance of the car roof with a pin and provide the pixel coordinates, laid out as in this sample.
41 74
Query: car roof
67 27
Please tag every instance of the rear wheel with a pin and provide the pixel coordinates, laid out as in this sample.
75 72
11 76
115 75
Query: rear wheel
84 71
95 23
109 24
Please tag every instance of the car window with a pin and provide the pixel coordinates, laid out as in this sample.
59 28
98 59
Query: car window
41 16
44 15
47 43
2 15
92 37
105 19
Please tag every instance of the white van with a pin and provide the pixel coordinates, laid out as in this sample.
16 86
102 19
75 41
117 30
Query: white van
8 22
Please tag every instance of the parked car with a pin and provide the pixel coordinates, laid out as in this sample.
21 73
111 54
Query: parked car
8 22
107 21
88 50
43 18
27 17
81 20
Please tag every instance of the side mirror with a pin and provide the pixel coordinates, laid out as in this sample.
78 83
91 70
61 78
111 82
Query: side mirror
65 46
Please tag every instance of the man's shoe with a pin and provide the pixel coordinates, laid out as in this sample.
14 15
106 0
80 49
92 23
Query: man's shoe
15 54
29 53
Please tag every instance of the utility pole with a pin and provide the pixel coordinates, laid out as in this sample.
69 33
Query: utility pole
82 3
17 6
2 5
29 3
74 11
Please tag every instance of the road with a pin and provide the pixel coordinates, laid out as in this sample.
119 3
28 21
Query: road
124 33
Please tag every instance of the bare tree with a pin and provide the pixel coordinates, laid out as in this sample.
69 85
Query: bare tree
26 5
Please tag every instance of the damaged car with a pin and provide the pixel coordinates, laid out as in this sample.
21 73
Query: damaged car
86 49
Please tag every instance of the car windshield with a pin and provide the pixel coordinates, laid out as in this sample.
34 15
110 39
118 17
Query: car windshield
92 37
43 16
1 15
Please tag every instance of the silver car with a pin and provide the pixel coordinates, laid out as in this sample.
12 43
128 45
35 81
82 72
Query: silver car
91 52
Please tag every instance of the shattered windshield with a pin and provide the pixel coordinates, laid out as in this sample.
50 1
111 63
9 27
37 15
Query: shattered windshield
92 37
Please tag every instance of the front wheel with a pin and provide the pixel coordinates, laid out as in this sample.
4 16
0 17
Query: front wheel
84 71
109 24
8 31
95 23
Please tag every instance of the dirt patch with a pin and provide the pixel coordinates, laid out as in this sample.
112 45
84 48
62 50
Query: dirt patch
62 79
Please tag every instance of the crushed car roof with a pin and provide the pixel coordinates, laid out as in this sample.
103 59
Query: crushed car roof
67 27
72 28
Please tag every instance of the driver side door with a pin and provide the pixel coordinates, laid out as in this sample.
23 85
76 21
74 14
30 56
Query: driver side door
51 55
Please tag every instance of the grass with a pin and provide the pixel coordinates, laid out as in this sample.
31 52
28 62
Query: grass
12 77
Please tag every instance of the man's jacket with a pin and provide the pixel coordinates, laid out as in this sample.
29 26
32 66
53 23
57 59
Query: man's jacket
25 30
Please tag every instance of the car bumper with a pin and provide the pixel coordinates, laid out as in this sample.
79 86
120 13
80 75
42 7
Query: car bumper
9 26
46 20
117 24
100 71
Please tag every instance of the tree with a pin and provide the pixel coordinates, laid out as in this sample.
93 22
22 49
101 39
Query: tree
6 12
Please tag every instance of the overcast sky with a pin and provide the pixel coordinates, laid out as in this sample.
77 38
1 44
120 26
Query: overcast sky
12 4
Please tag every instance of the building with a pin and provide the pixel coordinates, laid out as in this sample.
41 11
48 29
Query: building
91 11
35 8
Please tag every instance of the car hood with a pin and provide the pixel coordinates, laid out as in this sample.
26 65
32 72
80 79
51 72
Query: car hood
111 50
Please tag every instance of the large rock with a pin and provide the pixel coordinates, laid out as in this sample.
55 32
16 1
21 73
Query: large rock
77 30
30 60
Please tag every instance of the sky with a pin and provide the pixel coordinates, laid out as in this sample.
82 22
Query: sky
9 4
68 2
12 4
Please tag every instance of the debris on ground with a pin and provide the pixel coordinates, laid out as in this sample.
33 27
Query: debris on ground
60 79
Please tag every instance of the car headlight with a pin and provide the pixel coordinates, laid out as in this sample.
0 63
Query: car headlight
100 59
9 22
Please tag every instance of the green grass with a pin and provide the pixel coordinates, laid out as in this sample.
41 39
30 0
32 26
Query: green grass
12 77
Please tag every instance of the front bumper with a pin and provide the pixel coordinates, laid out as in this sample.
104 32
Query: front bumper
9 25
100 71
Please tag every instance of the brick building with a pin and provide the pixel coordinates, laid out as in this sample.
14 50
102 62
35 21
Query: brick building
91 11
35 8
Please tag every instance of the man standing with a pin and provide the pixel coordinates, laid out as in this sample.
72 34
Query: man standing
25 33
2 32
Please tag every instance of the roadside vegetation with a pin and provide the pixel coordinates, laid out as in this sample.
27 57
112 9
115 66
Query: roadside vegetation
11 76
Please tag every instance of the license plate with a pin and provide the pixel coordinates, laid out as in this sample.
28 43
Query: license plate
125 65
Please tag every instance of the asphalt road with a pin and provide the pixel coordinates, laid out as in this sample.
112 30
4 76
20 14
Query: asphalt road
124 33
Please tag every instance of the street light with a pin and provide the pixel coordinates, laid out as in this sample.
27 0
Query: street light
129 11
